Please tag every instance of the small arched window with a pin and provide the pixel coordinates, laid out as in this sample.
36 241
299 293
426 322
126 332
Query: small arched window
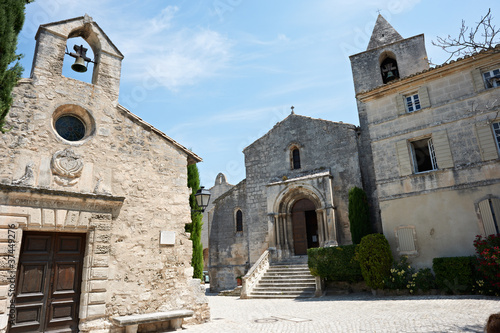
239 221
389 70
295 158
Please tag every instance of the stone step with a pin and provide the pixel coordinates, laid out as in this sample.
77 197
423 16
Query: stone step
287 283
285 275
280 294
284 290
290 269
286 280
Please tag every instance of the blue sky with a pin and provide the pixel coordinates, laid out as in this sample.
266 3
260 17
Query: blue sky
216 75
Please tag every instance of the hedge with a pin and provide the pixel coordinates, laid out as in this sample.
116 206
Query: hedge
335 263
454 274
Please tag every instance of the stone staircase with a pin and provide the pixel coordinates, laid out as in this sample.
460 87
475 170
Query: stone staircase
285 280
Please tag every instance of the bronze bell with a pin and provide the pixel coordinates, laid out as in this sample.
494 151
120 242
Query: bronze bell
390 75
79 65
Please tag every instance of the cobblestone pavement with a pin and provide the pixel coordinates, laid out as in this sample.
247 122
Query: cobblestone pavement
350 313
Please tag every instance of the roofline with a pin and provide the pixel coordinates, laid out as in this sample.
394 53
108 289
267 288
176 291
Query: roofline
192 157
385 45
47 25
297 115
434 71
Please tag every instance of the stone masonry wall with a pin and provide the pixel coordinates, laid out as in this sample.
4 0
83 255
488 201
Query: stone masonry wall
436 203
122 157
324 145
228 251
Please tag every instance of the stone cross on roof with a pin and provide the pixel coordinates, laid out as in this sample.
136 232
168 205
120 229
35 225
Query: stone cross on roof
383 34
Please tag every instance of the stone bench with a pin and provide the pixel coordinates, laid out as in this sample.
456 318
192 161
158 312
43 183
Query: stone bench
132 322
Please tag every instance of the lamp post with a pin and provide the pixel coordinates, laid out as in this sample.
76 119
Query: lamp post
202 198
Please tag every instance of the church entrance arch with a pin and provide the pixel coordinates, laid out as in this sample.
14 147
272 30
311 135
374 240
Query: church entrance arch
304 226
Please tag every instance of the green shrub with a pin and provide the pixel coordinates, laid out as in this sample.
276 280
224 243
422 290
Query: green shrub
375 259
454 274
423 280
334 263
359 216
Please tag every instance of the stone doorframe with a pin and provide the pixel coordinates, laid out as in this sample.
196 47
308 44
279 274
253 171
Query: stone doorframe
281 198
28 209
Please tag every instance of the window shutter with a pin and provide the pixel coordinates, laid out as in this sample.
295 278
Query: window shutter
423 95
400 104
477 79
487 145
487 216
403 158
406 240
442 149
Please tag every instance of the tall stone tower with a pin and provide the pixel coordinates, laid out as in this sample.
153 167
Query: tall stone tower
387 58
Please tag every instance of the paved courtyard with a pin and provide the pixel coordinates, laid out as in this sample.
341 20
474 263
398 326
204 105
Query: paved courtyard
351 313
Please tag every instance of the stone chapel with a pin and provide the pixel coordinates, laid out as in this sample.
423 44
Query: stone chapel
81 240
426 153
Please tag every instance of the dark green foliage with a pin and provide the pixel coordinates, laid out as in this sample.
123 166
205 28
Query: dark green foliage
375 259
195 226
11 23
454 274
334 263
359 216
424 280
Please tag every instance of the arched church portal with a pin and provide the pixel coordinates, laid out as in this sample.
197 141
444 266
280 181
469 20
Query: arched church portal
304 226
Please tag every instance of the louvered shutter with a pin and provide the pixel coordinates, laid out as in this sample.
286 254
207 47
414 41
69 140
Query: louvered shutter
423 95
487 144
442 149
477 79
403 158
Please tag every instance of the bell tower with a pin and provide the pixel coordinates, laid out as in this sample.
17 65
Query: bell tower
51 42
388 57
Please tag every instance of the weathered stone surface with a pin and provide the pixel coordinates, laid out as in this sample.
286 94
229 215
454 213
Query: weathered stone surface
440 205
329 167
132 184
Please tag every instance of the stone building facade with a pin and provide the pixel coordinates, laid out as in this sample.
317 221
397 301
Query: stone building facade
426 152
82 240
434 138
295 196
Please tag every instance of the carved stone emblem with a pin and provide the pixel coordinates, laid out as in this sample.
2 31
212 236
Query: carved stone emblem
67 167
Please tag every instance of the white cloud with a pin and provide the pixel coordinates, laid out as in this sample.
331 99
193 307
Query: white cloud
174 57
178 58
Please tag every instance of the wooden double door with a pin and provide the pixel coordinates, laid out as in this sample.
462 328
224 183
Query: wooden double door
49 279
305 226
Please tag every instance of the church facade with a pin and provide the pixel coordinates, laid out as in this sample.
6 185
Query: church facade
81 240
426 153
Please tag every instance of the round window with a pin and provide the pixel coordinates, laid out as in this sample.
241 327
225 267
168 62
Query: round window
70 128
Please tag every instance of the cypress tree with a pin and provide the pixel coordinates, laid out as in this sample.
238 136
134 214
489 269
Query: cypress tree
11 23
196 223
359 217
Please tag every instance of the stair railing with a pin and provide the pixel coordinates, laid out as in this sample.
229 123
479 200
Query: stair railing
253 276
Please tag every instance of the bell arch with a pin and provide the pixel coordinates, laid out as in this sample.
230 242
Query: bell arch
388 66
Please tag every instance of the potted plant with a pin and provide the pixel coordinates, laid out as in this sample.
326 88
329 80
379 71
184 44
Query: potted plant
239 280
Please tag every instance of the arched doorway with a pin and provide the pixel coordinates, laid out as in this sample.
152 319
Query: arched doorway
304 226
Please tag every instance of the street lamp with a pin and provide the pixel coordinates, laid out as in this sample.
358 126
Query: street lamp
202 198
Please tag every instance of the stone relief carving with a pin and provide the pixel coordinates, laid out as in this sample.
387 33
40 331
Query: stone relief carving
28 178
67 167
